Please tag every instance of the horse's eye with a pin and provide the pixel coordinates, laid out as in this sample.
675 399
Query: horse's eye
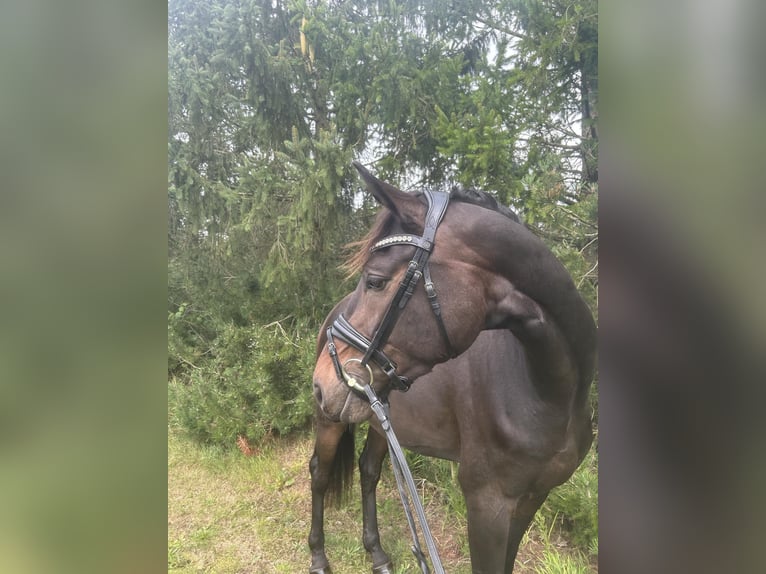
375 283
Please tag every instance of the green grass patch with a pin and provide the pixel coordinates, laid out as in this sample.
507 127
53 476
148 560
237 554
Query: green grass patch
571 510
230 513
557 563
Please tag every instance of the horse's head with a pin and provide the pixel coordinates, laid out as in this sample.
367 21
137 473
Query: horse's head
470 295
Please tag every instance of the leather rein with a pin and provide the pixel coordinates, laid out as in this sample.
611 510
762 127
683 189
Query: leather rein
418 267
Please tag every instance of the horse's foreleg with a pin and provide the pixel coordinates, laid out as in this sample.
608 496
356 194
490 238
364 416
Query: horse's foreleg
496 525
488 519
328 437
524 509
370 464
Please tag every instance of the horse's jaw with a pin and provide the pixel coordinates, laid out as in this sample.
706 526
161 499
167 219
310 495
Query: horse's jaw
355 410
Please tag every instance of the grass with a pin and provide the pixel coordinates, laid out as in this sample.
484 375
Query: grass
556 563
228 513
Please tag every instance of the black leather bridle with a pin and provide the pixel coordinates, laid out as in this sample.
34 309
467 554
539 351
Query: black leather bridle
418 267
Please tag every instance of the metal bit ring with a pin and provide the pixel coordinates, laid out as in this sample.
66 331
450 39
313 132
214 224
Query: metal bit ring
351 381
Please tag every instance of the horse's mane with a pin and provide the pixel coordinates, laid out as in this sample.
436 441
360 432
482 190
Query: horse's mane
483 199
360 250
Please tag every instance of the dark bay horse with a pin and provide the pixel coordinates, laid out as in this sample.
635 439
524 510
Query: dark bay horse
512 407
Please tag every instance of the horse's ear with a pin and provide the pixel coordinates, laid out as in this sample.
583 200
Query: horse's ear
407 208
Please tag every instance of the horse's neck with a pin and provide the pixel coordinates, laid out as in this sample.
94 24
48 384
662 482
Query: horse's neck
553 367
539 303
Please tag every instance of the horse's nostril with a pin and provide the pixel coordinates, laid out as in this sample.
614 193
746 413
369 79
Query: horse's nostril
317 394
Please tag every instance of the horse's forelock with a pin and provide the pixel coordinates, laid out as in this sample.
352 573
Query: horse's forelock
359 251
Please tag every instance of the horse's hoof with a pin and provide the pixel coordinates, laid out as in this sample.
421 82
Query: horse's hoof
386 568
325 570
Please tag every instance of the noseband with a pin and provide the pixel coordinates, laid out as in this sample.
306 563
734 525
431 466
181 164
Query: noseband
417 268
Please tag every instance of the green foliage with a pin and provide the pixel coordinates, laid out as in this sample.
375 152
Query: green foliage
442 475
556 563
256 383
572 508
